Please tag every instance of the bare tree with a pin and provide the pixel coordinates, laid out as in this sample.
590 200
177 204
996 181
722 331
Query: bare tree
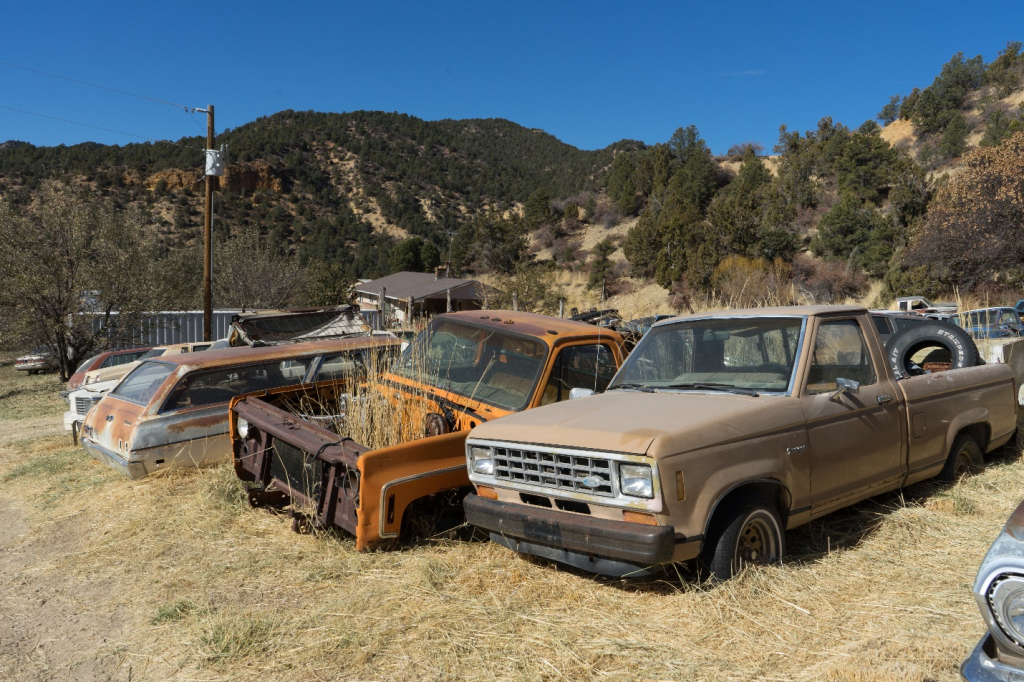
76 274
251 273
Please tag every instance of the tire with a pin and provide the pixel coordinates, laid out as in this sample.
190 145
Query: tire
965 457
903 345
744 531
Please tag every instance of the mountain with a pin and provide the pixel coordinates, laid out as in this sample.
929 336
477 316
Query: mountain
340 185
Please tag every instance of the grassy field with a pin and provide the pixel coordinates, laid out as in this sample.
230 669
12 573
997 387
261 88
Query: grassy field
175 577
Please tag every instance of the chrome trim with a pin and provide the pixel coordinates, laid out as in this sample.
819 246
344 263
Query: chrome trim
618 499
382 509
981 595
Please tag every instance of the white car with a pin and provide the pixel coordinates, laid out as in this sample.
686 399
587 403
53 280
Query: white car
80 401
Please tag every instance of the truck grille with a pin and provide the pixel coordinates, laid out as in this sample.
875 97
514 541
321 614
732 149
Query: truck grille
299 470
84 403
554 470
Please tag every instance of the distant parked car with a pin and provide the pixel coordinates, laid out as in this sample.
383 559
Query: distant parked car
115 372
1019 307
991 323
888 322
999 591
36 360
110 358
920 304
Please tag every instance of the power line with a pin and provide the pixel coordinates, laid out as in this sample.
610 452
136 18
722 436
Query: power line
88 125
94 85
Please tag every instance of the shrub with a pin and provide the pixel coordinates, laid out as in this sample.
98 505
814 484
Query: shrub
827 281
744 282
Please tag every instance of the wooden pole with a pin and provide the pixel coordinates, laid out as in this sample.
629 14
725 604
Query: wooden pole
208 239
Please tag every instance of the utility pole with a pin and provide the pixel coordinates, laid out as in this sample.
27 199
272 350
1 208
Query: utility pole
208 236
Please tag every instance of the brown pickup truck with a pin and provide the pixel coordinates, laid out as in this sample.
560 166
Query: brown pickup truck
465 369
721 432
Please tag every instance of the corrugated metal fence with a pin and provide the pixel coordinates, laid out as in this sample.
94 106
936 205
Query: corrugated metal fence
177 326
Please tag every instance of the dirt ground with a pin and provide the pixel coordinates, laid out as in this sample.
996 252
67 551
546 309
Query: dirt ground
175 577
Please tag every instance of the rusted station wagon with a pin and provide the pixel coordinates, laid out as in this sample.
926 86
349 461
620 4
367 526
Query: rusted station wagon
172 412
465 369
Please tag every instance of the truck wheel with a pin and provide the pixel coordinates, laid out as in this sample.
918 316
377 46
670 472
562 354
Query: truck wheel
946 342
964 458
747 531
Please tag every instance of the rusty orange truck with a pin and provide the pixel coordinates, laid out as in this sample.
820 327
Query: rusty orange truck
724 430
463 370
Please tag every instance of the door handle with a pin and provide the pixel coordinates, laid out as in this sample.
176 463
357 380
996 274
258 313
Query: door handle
883 399
110 417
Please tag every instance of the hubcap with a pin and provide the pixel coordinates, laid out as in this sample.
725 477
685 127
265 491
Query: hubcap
963 463
757 543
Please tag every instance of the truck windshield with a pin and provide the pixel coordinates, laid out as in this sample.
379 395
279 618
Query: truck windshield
495 367
756 354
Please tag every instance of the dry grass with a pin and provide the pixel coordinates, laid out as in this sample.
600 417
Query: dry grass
206 588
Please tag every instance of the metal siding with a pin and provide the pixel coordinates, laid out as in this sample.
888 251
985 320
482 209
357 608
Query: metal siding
186 326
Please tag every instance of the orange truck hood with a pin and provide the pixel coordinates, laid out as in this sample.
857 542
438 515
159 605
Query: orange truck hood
659 424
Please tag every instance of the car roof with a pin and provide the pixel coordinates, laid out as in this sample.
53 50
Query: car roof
531 324
790 311
243 354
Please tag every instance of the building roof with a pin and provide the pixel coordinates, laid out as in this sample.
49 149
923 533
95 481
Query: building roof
415 285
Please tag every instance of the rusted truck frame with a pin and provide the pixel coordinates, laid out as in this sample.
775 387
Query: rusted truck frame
367 493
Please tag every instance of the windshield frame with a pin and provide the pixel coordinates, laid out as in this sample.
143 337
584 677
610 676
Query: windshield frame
797 356
396 367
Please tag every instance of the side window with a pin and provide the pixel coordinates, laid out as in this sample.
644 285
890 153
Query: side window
882 325
215 386
108 362
839 352
342 366
590 366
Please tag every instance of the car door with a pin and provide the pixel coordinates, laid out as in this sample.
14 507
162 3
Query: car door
590 365
854 435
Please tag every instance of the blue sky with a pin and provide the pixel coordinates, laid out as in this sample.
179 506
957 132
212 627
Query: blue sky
590 73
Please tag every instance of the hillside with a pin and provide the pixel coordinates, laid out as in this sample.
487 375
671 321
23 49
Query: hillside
334 185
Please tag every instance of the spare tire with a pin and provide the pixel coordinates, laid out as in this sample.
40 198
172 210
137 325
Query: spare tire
945 343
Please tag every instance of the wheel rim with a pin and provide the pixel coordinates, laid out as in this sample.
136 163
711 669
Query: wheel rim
963 463
757 543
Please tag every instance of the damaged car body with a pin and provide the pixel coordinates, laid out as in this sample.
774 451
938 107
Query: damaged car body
465 369
171 412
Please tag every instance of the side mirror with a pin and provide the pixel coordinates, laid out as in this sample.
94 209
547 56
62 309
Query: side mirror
844 386
579 393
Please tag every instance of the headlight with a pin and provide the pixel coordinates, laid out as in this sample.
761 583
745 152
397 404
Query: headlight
243 427
635 480
1006 599
482 460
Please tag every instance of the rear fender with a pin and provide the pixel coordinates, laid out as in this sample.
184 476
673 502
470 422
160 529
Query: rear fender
391 478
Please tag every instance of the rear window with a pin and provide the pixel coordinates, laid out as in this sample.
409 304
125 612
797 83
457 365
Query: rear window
81 367
155 353
142 382
216 386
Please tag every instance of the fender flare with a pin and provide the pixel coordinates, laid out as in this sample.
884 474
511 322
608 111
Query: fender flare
786 497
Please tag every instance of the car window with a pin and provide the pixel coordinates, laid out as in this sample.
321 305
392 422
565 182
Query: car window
904 322
216 386
82 367
143 381
881 324
200 347
342 366
591 366
839 352
126 358
155 353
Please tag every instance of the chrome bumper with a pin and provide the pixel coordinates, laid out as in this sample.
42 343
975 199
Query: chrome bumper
133 470
983 666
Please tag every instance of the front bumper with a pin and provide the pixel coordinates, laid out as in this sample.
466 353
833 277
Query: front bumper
983 665
614 548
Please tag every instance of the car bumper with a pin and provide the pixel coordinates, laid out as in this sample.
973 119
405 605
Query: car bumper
133 470
983 666
70 418
614 548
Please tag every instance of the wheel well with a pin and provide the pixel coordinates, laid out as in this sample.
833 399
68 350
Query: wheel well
768 488
980 432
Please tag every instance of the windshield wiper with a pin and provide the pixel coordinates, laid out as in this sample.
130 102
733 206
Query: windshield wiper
717 387
643 388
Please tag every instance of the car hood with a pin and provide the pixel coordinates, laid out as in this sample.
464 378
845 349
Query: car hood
659 424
